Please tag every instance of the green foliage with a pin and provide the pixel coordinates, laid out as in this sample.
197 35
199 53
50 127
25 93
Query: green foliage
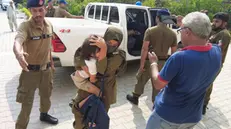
26 11
76 7
150 3
183 7
177 7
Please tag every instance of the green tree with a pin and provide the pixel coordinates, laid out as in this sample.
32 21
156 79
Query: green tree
77 7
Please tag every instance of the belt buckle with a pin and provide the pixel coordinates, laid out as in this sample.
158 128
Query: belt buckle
45 66
33 67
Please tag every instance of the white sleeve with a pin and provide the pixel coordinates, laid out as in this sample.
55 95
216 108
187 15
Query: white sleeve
91 64
7 12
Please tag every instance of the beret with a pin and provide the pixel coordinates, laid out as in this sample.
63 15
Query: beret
222 16
35 3
63 2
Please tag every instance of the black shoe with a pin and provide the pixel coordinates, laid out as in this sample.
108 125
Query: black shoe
204 109
48 118
133 99
71 104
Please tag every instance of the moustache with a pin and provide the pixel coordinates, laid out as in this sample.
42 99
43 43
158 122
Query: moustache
38 17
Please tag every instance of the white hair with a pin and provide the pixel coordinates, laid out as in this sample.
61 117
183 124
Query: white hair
199 23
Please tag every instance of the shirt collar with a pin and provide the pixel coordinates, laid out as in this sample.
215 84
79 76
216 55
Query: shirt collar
205 48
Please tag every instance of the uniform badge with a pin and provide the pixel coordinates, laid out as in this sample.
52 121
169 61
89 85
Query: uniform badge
40 2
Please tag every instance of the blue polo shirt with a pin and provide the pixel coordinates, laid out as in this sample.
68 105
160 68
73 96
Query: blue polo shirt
189 73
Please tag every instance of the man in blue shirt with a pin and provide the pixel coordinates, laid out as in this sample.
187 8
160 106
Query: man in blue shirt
185 77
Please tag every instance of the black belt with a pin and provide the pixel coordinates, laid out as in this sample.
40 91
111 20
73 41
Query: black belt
37 67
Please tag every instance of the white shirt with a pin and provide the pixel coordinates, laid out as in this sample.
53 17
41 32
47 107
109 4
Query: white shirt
11 12
91 64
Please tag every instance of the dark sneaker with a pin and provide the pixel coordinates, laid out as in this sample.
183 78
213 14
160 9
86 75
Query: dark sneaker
133 99
48 118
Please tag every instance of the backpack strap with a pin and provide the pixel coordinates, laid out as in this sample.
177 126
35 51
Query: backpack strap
102 78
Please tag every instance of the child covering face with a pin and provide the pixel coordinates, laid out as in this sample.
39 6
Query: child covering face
89 54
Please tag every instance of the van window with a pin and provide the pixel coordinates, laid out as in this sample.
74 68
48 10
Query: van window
91 11
114 15
137 21
98 11
105 13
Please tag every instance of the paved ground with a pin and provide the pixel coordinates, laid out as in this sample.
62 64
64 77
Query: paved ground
123 114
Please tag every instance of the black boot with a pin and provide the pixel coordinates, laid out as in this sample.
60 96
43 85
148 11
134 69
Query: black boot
204 109
48 118
73 124
133 99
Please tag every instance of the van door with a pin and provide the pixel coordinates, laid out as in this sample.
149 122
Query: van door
137 23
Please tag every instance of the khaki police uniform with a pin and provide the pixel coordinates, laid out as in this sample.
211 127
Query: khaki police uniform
161 38
50 12
62 13
109 66
37 43
224 36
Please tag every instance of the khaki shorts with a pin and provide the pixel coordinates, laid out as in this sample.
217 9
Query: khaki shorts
80 82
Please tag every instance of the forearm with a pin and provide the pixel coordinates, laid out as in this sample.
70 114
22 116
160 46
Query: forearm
103 52
52 61
154 74
17 48
94 90
144 54
78 17
68 15
90 89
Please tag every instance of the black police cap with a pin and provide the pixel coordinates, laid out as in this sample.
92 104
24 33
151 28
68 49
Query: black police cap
222 16
35 3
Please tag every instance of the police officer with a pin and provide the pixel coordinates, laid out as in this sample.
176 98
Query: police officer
219 34
114 62
61 12
32 49
160 38
50 9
